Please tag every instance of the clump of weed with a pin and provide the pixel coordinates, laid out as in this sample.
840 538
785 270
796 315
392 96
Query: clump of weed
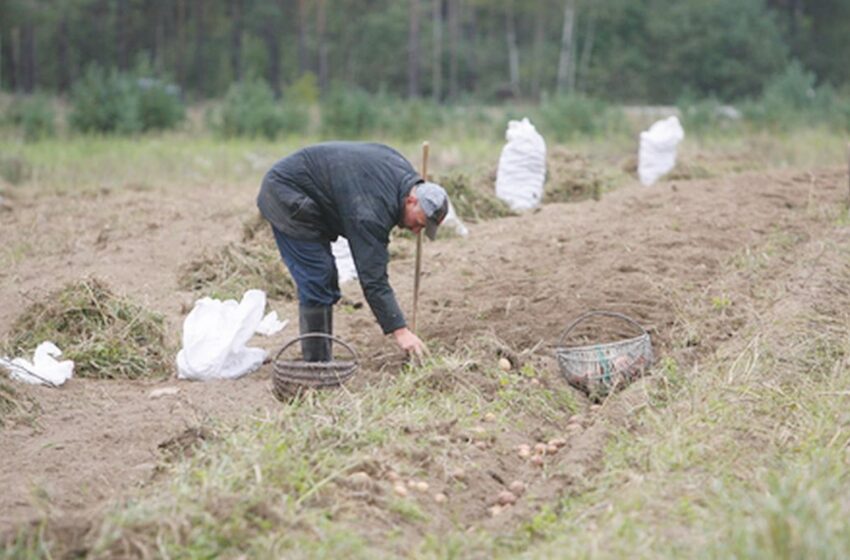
474 199
239 266
572 177
688 170
107 336
12 404
15 169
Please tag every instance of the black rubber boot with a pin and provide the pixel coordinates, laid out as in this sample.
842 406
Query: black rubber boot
317 319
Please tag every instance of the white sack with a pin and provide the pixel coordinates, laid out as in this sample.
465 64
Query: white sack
214 337
454 222
657 153
271 324
44 365
344 260
522 166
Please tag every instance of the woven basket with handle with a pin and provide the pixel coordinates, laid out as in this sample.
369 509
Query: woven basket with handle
599 369
289 377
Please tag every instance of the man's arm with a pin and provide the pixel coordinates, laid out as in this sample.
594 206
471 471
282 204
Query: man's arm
369 249
409 342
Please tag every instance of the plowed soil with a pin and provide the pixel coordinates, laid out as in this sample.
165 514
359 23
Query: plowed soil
515 282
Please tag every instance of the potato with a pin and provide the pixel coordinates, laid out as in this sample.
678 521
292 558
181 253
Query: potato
490 417
496 510
458 474
540 448
517 487
421 486
551 449
504 364
622 365
400 489
558 442
524 452
537 460
360 479
506 498
440 498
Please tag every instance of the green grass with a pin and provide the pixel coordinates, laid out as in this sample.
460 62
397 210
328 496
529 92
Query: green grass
741 454
157 161
106 335
292 466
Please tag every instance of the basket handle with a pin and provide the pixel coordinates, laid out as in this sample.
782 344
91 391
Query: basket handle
594 313
319 335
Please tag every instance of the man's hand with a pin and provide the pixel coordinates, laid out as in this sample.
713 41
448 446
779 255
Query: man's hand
409 342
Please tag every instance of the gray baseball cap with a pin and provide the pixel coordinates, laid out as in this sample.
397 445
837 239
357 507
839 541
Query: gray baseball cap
435 203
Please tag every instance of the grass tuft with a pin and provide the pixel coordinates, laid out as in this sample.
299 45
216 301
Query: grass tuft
12 404
252 263
473 199
107 336
572 176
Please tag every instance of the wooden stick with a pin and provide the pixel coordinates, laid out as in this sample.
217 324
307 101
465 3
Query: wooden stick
425 149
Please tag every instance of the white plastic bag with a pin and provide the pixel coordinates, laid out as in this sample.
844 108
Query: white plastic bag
451 220
214 337
657 153
522 167
44 367
344 261
271 324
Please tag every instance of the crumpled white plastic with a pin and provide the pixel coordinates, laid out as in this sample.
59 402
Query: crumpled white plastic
522 166
344 260
271 324
451 220
215 334
45 367
657 152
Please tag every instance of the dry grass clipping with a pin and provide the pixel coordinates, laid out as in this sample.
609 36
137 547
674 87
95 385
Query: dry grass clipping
571 177
12 404
107 336
474 200
252 263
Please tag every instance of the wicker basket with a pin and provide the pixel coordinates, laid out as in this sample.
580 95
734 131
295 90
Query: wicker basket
290 377
599 369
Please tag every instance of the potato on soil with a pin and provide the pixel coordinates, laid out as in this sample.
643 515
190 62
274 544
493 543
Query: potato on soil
458 474
558 442
517 487
506 498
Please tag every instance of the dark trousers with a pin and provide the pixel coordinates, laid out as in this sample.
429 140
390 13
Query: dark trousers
312 266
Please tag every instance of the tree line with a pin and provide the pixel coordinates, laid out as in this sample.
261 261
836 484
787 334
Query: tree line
647 51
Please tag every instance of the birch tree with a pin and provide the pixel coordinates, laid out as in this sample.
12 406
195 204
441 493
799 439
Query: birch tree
565 59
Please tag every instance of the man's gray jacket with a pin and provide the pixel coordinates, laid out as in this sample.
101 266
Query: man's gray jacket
353 189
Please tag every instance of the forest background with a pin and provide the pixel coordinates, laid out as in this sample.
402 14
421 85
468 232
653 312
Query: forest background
133 65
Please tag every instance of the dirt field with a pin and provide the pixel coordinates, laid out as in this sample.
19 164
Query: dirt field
509 288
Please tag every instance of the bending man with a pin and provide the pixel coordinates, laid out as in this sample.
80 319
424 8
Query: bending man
359 191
